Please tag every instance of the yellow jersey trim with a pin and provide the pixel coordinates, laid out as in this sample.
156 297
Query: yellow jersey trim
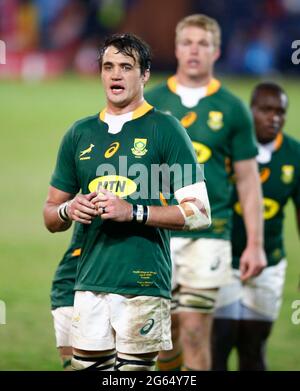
163 200
213 86
143 109
278 141
172 84
76 252
102 114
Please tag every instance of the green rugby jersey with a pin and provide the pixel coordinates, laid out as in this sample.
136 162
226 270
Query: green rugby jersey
220 128
280 180
125 258
62 290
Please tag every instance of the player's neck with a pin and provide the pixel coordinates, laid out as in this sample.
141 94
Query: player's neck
275 140
193 82
119 110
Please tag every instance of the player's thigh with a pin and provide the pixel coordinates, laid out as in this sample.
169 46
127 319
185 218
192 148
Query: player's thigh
204 264
262 295
228 303
142 323
91 326
177 247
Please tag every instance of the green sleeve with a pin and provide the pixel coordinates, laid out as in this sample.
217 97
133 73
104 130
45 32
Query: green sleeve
64 176
243 142
177 151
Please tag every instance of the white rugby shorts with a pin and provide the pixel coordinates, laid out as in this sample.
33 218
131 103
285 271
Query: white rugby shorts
132 325
62 319
200 263
259 298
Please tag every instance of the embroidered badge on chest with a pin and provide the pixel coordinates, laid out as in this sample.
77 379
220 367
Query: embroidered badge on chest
215 120
287 173
139 147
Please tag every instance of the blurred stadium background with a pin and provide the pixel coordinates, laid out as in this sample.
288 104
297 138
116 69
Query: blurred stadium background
50 80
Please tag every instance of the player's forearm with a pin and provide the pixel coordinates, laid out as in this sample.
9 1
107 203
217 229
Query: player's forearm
192 213
168 217
52 220
250 196
188 215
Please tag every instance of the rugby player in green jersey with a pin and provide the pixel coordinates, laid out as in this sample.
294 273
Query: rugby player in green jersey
221 131
246 311
126 162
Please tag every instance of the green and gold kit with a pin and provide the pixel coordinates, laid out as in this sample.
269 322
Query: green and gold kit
220 128
280 179
62 290
126 258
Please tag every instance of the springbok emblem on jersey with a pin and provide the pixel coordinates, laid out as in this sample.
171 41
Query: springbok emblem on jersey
85 152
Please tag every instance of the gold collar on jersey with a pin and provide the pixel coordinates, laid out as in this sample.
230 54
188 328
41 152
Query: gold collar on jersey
213 86
278 141
137 113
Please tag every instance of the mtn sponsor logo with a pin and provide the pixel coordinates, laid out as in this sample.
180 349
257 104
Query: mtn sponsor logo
119 185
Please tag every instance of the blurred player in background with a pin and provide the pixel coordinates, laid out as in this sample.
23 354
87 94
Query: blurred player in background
121 316
220 128
246 310
62 296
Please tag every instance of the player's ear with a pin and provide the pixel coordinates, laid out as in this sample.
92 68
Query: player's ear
146 76
217 54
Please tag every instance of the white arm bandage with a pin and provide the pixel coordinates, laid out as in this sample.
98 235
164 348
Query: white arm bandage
196 213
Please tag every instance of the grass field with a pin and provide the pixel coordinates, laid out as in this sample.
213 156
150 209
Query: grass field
33 119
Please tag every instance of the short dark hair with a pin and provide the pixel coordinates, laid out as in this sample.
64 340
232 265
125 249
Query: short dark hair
129 45
268 87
